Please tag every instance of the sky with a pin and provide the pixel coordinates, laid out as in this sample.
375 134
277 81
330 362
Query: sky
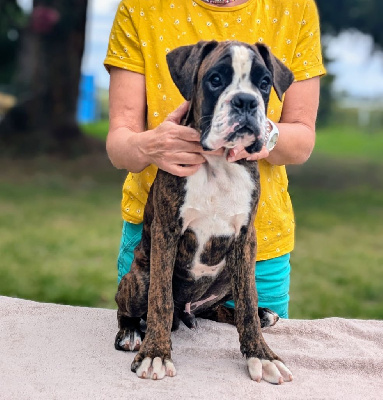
358 70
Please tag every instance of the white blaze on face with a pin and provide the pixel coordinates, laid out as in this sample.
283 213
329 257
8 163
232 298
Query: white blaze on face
242 58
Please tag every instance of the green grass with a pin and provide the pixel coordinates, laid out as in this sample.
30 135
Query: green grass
97 129
60 228
348 141
337 262
338 202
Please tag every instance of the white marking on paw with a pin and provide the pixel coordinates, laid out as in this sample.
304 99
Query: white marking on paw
144 370
170 368
285 372
131 345
271 371
159 371
255 368
156 369
272 319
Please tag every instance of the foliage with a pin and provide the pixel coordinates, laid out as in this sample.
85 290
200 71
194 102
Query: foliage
364 15
48 76
12 19
327 101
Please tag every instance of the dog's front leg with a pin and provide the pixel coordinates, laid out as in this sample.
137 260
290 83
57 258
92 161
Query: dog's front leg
154 357
261 360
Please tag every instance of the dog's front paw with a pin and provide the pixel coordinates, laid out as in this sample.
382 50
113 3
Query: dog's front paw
154 368
153 361
271 371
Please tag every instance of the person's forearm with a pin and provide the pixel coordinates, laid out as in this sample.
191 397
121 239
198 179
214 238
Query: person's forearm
170 146
124 148
295 144
297 124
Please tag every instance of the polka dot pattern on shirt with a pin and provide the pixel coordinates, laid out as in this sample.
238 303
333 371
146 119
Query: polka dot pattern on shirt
145 31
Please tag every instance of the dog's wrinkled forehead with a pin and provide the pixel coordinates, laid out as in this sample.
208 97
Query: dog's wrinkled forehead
187 64
239 57
233 51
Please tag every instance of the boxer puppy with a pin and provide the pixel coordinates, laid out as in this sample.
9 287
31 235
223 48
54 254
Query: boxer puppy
198 245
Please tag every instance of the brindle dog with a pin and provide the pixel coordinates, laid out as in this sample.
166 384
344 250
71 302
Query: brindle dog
198 243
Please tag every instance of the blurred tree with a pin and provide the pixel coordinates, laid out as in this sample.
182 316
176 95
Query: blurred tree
364 15
326 104
339 15
12 20
47 78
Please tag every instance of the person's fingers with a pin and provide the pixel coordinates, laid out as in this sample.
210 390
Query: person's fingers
187 158
218 152
239 152
236 153
172 130
177 115
183 170
264 153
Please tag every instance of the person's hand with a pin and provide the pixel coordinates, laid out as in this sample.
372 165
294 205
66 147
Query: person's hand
239 152
176 148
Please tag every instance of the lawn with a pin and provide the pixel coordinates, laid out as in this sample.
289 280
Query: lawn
60 228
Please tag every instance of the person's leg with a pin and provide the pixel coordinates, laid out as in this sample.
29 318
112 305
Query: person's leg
272 276
273 284
131 236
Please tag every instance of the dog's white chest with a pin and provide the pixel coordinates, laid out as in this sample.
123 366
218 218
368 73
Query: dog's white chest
217 203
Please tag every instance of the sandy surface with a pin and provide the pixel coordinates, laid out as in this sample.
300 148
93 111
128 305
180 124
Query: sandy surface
50 351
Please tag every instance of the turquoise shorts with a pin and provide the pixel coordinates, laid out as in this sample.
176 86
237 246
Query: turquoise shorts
272 276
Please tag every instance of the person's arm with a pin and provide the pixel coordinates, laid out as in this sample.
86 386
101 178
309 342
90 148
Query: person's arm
296 127
170 146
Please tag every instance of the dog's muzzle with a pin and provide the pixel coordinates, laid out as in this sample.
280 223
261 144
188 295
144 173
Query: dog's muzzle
239 124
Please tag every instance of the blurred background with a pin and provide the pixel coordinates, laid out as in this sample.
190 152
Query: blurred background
60 222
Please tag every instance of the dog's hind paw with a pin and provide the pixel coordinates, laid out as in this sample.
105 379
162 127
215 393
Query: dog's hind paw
128 340
271 371
155 369
267 317
189 320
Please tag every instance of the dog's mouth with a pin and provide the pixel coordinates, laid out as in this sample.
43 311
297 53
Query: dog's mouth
244 130
244 135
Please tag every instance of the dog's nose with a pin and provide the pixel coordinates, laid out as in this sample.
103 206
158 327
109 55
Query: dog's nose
244 102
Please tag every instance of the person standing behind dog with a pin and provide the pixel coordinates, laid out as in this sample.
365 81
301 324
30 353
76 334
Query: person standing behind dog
145 131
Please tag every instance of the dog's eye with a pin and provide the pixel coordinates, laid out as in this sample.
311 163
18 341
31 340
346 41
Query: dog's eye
265 84
215 81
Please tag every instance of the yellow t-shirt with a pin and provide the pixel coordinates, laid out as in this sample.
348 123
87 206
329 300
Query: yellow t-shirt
145 31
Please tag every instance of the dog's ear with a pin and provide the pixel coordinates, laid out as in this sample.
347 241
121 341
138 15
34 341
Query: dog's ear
282 76
184 62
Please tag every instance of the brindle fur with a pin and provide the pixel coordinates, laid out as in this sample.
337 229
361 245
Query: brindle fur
162 302
160 282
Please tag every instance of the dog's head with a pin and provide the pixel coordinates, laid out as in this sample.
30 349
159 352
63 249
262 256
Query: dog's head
228 84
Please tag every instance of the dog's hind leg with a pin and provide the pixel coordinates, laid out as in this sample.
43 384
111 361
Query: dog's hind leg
132 301
267 317
130 335
219 313
226 315
188 318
